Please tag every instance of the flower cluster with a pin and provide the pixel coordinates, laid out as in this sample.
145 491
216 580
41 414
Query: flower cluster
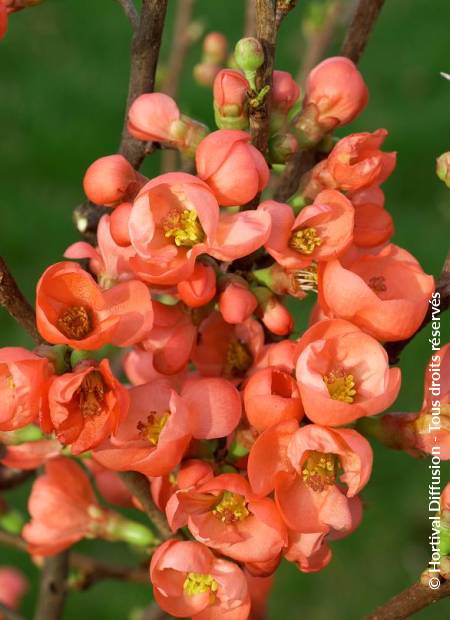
247 431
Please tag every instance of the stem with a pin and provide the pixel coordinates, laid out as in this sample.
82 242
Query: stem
15 303
53 587
129 8
250 19
295 169
138 485
145 47
410 601
360 28
394 349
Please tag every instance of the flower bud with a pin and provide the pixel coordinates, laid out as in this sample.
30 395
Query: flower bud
282 147
151 117
199 288
237 303
230 100
249 56
215 48
110 180
118 223
285 91
204 73
443 168
272 312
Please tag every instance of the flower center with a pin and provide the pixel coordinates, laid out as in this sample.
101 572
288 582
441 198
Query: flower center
91 394
231 508
320 470
198 583
238 359
183 227
341 386
305 240
152 429
75 322
378 284
307 279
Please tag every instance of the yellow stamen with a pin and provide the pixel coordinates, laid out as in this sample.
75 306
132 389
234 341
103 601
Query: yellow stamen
75 322
91 394
154 426
378 284
341 387
184 227
231 508
307 279
238 359
9 380
197 583
305 240
320 470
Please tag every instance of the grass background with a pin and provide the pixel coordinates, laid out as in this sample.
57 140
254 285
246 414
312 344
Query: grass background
63 77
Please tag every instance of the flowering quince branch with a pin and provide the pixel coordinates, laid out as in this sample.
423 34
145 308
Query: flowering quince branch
363 21
241 444
129 8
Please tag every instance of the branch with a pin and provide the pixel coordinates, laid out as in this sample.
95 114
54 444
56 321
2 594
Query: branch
9 614
138 485
250 19
92 569
15 303
288 182
53 587
394 349
145 47
11 478
360 28
410 601
266 32
129 8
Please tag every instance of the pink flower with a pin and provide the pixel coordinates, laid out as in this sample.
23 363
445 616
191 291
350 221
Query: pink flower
337 90
233 168
373 224
302 465
111 180
86 406
237 303
3 21
72 309
118 223
13 586
285 91
153 116
385 293
271 396
31 454
343 374
225 514
189 581
24 380
275 316
320 232
227 350
200 288
176 218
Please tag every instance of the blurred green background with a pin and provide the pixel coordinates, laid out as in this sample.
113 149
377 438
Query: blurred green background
63 76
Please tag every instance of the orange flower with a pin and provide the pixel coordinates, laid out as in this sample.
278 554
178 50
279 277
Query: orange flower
86 406
72 309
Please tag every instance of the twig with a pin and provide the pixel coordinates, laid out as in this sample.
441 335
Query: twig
11 478
320 40
138 485
409 602
394 349
129 8
283 8
9 614
360 28
250 19
15 303
266 32
93 570
145 47
53 587
180 44
295 169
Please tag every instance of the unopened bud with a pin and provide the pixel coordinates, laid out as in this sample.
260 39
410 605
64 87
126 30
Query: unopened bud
204 73
249 56
443 168
215 48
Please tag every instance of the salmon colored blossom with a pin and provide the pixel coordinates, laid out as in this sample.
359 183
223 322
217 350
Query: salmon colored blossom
303 466
176 218
373 224
30 454
236 302
285 91
320 232
13 586
24 381
230 99
343 374
111 180
86 406
72 309
200 288
190 581
226 515
385 293
232 167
